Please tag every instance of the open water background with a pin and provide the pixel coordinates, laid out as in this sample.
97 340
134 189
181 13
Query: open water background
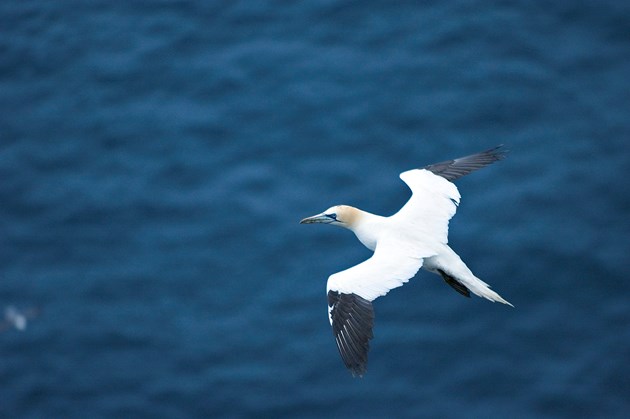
156 157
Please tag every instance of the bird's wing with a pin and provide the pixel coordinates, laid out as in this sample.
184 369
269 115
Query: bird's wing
432 204
454 169
435 198
351 292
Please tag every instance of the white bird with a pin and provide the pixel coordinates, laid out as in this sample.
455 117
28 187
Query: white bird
413 238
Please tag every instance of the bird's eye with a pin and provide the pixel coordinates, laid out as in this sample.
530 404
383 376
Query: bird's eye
332 216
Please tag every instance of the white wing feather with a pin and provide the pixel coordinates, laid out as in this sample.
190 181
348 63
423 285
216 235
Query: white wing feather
390 266
432 205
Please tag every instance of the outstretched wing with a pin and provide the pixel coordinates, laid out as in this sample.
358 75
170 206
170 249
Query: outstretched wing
351 292
434 200
432 204
454 169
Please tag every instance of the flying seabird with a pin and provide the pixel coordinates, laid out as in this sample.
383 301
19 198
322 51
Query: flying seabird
413 238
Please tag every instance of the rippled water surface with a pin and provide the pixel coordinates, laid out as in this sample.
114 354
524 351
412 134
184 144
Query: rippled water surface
156 157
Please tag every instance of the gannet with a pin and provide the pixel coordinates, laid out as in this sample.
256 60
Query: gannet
415 237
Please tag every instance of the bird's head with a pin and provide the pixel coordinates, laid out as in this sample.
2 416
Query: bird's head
341 215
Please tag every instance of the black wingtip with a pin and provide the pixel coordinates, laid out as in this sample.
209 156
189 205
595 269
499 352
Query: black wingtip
499 152
352 322
454 169
358 372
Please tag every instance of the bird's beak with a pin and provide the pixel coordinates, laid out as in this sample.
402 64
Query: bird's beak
319 218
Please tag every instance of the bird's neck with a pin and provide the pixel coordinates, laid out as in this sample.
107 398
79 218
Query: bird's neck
368 228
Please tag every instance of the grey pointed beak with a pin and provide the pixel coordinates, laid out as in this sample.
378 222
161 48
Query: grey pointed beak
319 218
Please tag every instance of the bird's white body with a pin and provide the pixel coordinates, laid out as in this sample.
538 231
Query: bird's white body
413 238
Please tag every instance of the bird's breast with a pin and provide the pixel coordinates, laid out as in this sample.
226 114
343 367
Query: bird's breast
369 232
368 241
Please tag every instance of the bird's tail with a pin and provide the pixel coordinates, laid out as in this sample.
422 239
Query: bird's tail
455 272
480 288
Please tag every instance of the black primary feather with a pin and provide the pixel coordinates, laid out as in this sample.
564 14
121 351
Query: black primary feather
352 322
454 169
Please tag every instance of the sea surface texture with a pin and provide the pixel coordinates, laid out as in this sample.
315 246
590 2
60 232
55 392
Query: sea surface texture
157 156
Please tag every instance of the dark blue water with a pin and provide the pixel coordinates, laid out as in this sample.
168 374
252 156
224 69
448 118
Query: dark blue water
156 157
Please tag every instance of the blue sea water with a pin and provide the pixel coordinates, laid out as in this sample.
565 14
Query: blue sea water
156 157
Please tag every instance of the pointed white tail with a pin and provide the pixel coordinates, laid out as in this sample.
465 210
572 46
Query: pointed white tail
448 261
